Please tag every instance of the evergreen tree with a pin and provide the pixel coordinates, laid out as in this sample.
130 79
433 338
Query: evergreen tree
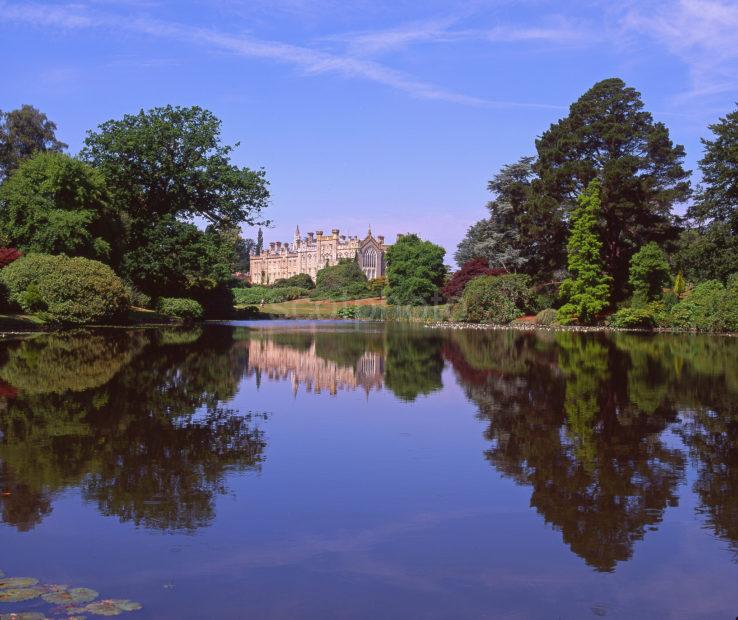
607 135
587 290
649 273
259 242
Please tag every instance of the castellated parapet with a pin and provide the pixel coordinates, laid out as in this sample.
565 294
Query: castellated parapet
314 251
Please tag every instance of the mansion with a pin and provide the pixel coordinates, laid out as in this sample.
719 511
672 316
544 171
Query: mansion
311 253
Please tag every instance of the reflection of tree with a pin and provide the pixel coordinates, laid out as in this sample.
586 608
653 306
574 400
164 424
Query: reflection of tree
599 477
413 363
151 445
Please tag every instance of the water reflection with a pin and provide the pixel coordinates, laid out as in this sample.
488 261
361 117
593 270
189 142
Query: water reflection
601 429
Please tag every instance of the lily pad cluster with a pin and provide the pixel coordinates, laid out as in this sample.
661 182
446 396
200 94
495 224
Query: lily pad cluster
69 603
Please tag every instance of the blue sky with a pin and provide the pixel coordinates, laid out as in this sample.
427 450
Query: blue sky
393 114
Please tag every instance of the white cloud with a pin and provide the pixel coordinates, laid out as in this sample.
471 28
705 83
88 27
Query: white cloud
311 61
702 33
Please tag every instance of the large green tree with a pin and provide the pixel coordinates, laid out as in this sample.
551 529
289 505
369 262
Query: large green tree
586 291
23 132
710 251
170 161
608 135
415 271
54 204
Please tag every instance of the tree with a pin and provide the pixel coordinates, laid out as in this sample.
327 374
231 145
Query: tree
469 270
649 273
54 204
587 290
23 132
415 271
607 135
259 242
344 280
170 162
711 250
513 238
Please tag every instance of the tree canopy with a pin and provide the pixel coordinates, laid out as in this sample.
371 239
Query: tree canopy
415 271
23 132
54 204
170 161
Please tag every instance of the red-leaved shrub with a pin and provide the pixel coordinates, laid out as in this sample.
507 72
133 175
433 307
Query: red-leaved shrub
8 255
469 270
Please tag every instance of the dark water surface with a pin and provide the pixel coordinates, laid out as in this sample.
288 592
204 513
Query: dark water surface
325 470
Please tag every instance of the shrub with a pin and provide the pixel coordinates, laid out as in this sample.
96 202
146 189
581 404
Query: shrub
65 290
347 312
377 286
643 317
181 308
300 280
471 269
494 299
137 298
342 281
8 255
710 307
256 294
546 317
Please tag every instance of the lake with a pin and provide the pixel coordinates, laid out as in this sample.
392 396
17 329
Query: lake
346 470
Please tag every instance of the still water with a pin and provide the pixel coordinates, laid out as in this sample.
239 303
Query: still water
340 470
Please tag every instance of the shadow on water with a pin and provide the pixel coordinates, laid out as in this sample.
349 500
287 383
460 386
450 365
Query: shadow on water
600 428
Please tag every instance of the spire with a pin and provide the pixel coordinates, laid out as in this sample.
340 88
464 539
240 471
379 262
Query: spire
297 231
369 234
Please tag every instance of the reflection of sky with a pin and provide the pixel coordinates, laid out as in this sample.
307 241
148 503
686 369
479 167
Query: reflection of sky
374 509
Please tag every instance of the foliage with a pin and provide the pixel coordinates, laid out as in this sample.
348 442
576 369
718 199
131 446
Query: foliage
181 308
8 255
415 271
378 285
507 237
586 292
641 317
344 280
708 252
23 132
54 204
66 290
347 312
680 286
608 135
138 299
494 299
300 280
259 242
170 162
472 268
649 273
256 294
709 307
547 317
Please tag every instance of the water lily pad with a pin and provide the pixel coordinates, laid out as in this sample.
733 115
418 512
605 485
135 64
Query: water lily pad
23 615
17 582
68 597
109 607
16 595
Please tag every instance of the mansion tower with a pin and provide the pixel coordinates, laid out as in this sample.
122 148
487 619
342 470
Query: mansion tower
311 253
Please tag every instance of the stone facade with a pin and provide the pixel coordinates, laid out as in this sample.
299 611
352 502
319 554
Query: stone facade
311 253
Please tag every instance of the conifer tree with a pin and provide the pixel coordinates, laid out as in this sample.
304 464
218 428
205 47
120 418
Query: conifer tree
587 289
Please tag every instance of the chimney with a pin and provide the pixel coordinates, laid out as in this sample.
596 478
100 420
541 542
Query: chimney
380 238
319 233
334 232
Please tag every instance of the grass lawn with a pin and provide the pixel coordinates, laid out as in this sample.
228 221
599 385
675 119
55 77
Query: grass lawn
309 309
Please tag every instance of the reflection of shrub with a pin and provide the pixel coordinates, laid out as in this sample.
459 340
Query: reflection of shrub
65 290
300 280
180 336
256 294
711 306
181 307
546 317
494 299
634 318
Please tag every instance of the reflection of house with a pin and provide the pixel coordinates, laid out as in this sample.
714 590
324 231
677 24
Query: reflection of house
316 373
315 251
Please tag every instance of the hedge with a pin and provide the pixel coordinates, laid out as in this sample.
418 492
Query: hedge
256 294
65 290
